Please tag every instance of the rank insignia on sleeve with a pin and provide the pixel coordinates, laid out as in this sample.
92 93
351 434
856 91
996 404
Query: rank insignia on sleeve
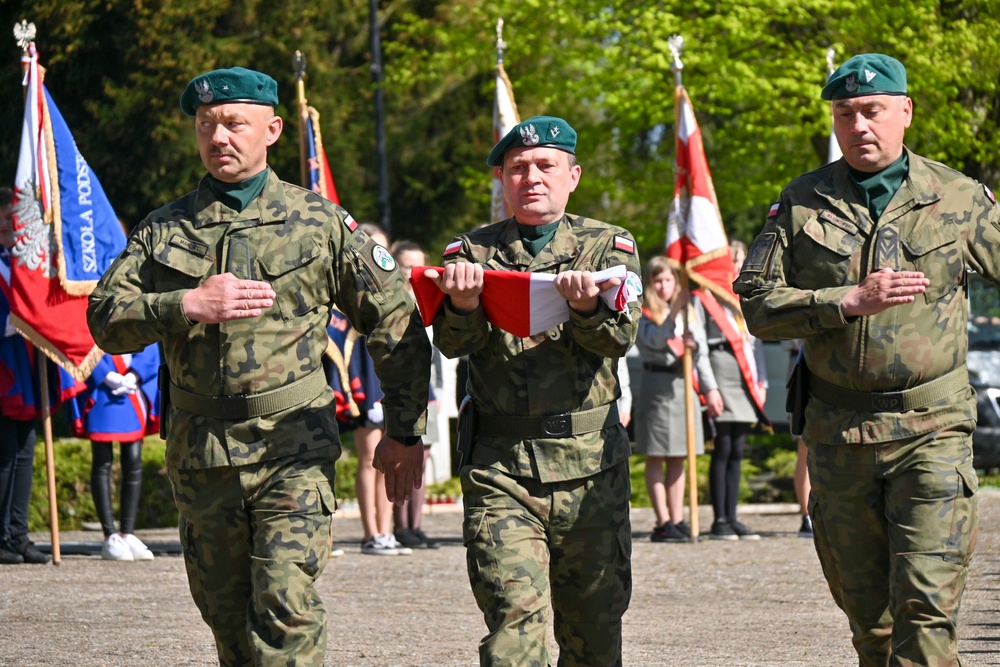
775 207
625 244
989 193
452 248
350 222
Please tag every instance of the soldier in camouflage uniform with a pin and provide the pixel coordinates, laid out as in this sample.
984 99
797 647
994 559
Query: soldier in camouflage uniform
545 474
866 259
236 279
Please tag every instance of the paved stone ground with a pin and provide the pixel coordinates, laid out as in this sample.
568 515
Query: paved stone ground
708 604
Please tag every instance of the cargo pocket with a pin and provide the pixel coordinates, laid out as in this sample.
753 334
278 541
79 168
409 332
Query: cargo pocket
296 274
181 263
823 259
939 257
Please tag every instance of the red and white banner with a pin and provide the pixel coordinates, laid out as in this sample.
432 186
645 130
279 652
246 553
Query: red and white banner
66 234
316 168
520 303
697 243
504 119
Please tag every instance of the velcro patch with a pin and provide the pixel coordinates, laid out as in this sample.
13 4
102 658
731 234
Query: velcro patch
452 248
625 244
759 255
989 193
775 207
193 247
840 223
350 222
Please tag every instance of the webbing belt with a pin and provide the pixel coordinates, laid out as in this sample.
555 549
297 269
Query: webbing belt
247 406
555 426
891 401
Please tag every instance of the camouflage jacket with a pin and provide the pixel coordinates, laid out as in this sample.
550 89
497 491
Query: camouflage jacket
567 369
819 241
310 252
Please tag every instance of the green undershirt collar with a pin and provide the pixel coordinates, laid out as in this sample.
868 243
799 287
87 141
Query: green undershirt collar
536 237
238 196
878 188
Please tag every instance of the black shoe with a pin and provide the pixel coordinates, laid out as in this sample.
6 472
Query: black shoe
669 532
684 529
408 538
723 530
806 530
29 553
8 556
742 531
428 543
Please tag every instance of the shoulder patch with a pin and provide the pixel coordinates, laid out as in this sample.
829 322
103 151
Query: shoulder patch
452 248
383 258
759 255
350 222
989 193
775 207
625 244
634 283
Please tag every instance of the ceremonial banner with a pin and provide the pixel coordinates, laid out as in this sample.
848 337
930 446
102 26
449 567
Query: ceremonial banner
66 234
523 304
504 119
696 240
316 168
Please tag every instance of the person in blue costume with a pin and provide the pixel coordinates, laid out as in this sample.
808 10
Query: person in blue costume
120 405
19 409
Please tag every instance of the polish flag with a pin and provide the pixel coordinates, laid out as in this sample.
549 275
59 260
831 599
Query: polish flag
523 304
504 119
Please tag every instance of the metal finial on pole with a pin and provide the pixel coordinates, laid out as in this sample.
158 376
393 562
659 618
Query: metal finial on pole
24 33
299 64
676 44
501 45
830 55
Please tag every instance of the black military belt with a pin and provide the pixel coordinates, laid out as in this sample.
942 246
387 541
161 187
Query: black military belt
248 406
659 368
724 345
555 426
890 401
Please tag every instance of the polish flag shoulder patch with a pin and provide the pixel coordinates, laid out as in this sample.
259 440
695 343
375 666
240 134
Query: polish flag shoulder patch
775 207
625 244
452 248
350 222
989 193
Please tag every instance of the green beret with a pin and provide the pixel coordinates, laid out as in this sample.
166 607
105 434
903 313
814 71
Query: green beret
236 84
866 74
536 131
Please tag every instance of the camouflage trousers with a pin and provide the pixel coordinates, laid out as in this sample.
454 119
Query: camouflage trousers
528 541
255 539
895 529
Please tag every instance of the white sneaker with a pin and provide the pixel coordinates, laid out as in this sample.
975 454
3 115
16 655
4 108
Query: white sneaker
376 546
116 548
139 550
390 540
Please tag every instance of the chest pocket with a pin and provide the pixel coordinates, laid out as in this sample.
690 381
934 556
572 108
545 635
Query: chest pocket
181 263
296 272
937 253
826 255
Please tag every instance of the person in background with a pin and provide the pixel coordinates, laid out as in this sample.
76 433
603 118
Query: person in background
120 405
733 424
408 514
866 260
801 478
661 416
369 486
237 279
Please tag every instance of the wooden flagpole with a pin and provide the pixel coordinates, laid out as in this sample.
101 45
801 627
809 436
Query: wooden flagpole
676 44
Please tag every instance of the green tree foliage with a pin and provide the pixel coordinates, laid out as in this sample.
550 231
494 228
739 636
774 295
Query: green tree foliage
753 70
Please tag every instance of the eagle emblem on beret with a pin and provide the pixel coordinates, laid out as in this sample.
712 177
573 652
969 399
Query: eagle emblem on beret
851 84
529 137
203 88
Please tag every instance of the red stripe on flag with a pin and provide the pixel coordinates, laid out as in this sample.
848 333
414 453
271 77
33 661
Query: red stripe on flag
452 248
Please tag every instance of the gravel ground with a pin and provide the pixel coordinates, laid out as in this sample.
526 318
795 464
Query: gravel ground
713 603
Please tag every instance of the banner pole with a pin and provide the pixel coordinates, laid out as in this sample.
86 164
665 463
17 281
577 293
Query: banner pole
50 462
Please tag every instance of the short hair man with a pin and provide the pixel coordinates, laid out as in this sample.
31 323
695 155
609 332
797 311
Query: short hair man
237 279
865 259
546 508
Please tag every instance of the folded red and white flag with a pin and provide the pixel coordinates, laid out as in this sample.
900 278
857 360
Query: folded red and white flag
523 304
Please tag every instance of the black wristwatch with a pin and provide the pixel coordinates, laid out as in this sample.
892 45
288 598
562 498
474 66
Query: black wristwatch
407 440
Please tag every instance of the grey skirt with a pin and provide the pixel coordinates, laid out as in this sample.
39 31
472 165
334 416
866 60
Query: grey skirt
738 406
660 423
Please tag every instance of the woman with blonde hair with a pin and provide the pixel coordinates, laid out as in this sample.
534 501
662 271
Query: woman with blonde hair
660 414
